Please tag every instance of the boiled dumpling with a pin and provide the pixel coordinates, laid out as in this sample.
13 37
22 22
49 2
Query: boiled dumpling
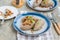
37 3
27 27
27 23
30 22
47 3
38 25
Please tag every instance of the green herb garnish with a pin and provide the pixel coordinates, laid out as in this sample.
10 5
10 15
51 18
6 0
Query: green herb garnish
33 21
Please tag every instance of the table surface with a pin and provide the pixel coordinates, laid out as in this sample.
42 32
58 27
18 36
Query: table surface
7 31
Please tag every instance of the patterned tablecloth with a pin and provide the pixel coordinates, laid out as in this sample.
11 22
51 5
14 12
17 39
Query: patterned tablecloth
7 31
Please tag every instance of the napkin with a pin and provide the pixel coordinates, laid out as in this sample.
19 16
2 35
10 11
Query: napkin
46 36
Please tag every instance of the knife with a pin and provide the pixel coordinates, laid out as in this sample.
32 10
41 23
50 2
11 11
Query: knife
55 21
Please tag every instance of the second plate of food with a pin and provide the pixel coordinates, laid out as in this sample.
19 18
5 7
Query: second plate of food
42 5
8 12
31 23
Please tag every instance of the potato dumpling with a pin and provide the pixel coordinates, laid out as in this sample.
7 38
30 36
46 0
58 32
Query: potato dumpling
26 27
47 3
31 23
27 23
43 3
37 3
8 13
38 25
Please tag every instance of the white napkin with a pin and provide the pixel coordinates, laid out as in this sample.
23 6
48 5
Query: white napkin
46 36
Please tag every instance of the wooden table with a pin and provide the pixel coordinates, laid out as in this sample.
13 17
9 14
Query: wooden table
7 31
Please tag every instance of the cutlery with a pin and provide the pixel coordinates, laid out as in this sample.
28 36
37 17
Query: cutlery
3 19
56 28
54 22
2 22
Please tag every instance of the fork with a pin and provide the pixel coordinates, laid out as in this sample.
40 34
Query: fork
54 22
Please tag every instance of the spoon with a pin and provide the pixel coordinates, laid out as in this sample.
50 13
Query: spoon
3 19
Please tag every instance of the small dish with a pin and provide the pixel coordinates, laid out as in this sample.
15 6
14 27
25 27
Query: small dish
8 12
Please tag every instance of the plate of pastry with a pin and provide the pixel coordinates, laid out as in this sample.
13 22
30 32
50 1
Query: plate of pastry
42 5
8 12
31 24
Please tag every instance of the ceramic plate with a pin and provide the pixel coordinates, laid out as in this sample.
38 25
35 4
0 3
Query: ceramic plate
12 9
30 2
17 22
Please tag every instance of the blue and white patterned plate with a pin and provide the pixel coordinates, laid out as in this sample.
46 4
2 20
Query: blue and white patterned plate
30 2
18 19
